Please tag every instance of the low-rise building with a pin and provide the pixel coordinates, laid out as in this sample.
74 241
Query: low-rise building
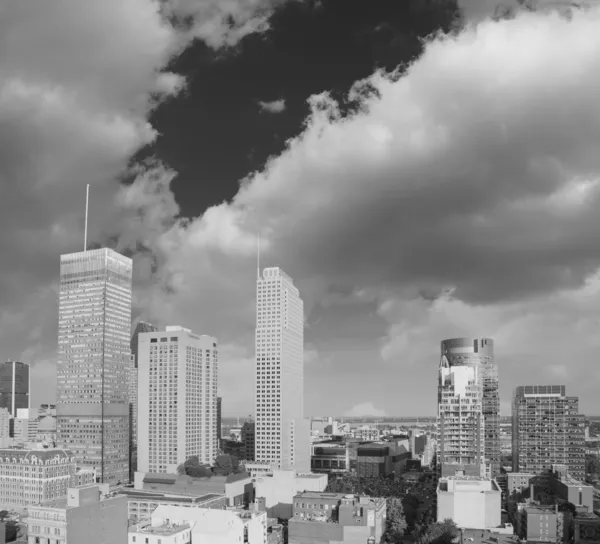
330 457
472 502
517 482
586 528
276 492
176 525
34 476
564 486
237 488
328 518
87 515
377 459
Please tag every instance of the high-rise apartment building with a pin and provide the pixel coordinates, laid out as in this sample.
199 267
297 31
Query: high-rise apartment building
177 399
14 386
547 429
93 361
219 422
282 433
468 408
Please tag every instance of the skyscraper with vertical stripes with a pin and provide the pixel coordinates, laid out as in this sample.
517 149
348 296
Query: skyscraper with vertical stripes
281 432
94 359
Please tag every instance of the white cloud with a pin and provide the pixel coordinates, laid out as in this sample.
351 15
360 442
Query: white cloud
365 409
457 177
275 106
78 81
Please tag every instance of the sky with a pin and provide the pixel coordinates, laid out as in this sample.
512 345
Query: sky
423 169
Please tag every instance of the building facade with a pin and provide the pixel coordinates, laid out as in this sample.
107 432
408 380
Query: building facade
468 408
335 517
248 439
219 422
282 433
547 429
471 502
25 426
33 476
87 514
14 386
93 361
5 438
177 399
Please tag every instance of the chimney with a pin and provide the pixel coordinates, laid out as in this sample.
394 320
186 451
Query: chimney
531 491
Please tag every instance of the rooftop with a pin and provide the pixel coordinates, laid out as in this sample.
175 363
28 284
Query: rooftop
474 536
166 529
164 497
34 455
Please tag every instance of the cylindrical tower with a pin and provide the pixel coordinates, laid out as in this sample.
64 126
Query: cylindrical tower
469 406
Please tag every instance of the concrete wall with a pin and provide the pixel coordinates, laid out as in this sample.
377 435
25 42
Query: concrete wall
314 532
103 522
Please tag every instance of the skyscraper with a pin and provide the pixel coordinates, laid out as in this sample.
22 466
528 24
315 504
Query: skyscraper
547 429
94 359
282 433
141 327
468 408
14 386
219 422
177 399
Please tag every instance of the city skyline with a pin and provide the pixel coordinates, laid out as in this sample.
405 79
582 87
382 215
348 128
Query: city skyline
440 200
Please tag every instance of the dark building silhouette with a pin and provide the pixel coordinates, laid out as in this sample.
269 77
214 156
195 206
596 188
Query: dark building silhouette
14 386
142 326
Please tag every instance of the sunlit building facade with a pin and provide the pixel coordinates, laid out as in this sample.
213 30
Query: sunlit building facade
468 408
282 433
177 399
94 361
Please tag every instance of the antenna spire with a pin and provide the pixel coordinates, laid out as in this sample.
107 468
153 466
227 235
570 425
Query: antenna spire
87 201
258 257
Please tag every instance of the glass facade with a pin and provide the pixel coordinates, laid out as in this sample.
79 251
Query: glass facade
469 406
14 386
94 360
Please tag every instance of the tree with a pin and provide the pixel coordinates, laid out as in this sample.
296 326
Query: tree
440 533
193 467
592 464
226 464
395 522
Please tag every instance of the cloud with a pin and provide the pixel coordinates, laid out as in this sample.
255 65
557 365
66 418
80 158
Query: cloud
276 106
471 181
475 11
365 409
78 82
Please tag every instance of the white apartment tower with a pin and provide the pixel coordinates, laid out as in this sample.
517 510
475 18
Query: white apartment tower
177 398
94 356
282 434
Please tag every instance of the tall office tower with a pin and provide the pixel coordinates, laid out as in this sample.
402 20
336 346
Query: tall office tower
177 399
14 386
219 423
94 357
547 429
468 408
282 433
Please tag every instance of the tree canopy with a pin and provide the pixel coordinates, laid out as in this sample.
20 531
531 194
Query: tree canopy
193 467
439 533
226 464
395 522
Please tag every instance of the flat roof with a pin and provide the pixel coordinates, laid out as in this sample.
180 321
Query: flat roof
143 495
160 530
473 536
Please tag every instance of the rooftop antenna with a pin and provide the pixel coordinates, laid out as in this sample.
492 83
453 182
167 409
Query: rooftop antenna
87 201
